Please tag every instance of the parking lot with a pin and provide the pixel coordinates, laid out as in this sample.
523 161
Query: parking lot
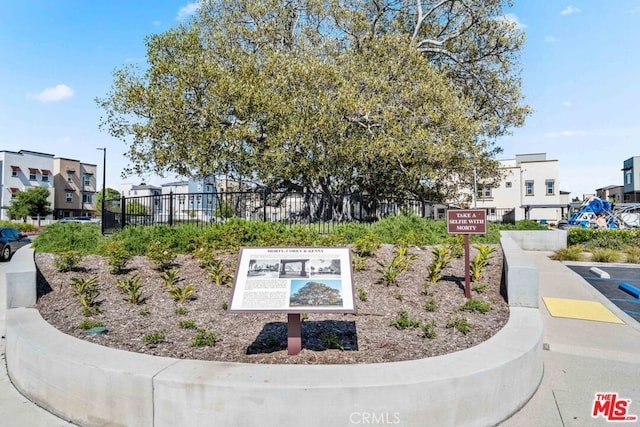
609 287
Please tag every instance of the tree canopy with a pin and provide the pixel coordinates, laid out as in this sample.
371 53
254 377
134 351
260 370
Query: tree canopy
383 97
32 202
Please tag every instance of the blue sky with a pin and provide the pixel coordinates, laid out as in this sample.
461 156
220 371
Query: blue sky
579 67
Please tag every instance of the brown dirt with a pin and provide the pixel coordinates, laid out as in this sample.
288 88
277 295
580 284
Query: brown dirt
366 337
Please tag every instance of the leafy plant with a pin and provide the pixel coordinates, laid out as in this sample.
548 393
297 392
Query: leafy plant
431 305
187 324
131 287
460 324
116 251
225 305
144 311
160 254
403 258
67 261
358 262
181 293
217 272
441 258
204 338
485 251
605 255
399 297
170 277
87 324
389 271
366 246
402 321
455 245
154 338
362 294
476 267
181 311
429 330
479 287
570 253
331 341
87 292
476 305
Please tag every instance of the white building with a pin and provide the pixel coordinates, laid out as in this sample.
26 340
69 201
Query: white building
22 170
529 190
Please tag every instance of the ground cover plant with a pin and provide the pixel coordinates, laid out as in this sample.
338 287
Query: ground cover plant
181 311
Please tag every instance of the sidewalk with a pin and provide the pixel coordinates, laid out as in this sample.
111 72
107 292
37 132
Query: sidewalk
15 409
581 357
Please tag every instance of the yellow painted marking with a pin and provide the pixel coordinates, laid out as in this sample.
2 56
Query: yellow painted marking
579 309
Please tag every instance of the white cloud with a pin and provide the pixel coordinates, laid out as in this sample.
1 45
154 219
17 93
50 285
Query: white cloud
156 23
549 39
567 104
570 10
188 10
513 19
567 133
54 94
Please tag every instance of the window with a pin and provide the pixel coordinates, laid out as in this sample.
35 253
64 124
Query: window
15 170
528 188
45 175
32 174
69 176
492 211
87 198
484 192
550 187
14 191
627 176
69 197
87 181
507 184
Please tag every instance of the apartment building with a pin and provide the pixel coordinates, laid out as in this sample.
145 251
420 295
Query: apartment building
631 176
529 190
75 188
22 170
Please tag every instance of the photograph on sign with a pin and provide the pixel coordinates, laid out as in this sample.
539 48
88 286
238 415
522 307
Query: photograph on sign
293 280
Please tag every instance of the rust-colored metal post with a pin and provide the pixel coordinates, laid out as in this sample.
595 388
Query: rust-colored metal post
467 276
294 334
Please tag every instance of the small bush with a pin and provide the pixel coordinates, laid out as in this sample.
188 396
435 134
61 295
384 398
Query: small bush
570 253
476 305
460 324
131 287
181 311
359 263
431 305
204 338
331 340
632 254
605 255
218 273
154 338
362 294
170 277
115 250
87 324
182 293
160 254
402 321
87 292
67 261
366 246
429 330
187 324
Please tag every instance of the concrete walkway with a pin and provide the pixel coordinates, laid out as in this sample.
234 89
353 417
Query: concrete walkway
15 409
582 357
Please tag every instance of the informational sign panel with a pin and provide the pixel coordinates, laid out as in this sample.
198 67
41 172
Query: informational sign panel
466 221
293 280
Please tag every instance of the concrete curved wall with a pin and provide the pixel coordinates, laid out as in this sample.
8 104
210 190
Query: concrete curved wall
92 385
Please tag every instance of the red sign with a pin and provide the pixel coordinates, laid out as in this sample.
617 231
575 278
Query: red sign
466 221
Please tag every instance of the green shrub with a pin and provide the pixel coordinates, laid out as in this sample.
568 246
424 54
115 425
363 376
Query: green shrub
67 261
170 277
476 305
187 324
431 305
402 321
429 330
632 254
218 273
131 287
204 338
460 324
87 292
116 251
570 253
605 255
331 340
87 324
366 246
160 254
69 236
362 294
154 338
181 293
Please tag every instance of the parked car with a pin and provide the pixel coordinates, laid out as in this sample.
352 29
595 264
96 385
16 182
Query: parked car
83 219
11 240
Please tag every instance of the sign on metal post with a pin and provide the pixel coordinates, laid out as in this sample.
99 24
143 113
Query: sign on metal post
467 221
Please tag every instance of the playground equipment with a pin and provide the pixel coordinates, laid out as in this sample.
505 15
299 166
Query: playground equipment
590 210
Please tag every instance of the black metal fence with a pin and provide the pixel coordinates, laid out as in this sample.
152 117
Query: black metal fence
321 209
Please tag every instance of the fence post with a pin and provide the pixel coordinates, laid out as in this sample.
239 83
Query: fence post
123 210
170 220
264 204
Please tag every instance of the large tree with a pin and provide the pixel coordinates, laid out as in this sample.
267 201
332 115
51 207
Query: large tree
32 202
384 97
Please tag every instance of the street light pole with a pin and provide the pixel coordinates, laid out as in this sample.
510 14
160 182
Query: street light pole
104 180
